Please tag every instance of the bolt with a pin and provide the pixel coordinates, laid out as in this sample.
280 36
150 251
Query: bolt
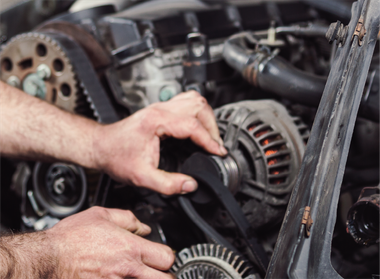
337 31
43 72
34 86
13 81
59 185
166 93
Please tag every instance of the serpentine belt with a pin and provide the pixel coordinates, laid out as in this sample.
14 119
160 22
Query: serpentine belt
213 182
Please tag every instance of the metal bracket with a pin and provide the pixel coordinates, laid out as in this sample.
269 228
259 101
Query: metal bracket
306 220
360 30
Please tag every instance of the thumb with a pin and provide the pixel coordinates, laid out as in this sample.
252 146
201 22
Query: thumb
167 183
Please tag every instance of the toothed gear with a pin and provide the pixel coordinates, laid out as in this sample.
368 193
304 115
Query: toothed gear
209 261
23 54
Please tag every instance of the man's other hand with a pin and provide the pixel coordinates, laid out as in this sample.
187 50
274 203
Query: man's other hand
129 150
106 243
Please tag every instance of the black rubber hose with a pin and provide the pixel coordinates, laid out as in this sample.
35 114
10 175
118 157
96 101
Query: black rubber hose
283 79
276 75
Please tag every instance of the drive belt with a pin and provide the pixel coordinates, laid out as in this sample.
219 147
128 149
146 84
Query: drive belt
206 175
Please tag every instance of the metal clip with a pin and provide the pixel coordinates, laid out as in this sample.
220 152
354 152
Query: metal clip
306 220
359 31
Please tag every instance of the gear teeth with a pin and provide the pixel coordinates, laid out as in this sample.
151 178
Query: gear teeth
51 44
204 261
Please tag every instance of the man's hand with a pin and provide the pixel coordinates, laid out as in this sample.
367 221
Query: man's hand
129 150
96 243
104 243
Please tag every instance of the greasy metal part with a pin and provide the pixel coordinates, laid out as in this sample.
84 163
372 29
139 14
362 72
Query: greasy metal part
311 30
363 217
33 202
89 81
359 31
95 52
45 223
306 220
337 31
26 53
230 172
205 172
135 51
321 174
263 133
195 66
211 261
60 188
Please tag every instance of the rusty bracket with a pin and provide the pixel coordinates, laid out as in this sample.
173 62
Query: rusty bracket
360 30
306 220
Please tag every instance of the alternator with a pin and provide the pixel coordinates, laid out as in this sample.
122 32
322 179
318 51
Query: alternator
266 146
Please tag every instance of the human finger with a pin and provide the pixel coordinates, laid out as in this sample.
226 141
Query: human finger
188 127
191 103
165 182
124 219
156 255
185 95
207 118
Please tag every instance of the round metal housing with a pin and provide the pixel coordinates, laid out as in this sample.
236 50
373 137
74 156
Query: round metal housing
60 188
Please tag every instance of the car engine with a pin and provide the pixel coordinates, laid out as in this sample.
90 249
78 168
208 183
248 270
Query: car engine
263 66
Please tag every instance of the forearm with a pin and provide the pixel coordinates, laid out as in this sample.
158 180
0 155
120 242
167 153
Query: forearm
27 256
33 129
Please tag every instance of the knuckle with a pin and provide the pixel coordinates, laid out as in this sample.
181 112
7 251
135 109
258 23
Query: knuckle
98 210
167 257
148 116
193 92
201 100
168 188
137 178
132 218
193 124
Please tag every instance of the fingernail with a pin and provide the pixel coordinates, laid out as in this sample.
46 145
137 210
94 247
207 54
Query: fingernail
189 186
223 150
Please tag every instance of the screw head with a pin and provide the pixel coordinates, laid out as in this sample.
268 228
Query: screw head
43 72
34 86
59 185
166 93
13 81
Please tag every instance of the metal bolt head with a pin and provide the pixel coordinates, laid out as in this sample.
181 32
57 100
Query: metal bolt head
34 86
59 185
337 31
166 93
43 72
13 81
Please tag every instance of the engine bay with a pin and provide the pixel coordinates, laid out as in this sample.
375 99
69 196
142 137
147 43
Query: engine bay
264 67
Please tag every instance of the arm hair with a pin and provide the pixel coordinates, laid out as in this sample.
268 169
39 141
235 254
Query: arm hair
27 255
34 129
